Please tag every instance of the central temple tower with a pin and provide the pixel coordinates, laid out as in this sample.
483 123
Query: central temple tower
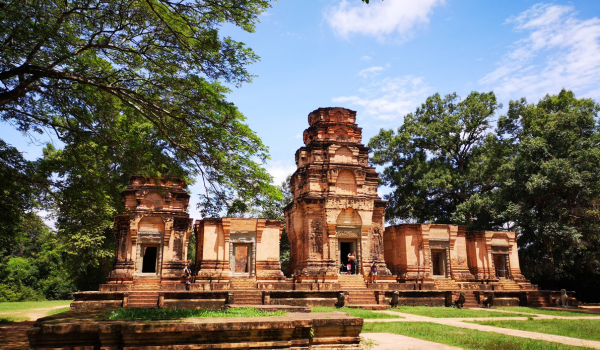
335 209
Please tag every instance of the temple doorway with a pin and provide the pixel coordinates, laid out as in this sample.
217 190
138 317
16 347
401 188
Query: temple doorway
438 263
242 254
347 246
149 259
500 265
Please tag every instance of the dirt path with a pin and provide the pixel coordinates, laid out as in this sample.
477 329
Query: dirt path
33 314
387 341
460 322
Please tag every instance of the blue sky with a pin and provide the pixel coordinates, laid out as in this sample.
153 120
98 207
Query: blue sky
386 58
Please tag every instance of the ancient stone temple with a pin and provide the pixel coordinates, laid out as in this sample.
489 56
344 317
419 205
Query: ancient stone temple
152 237
450 257
335 210
227 248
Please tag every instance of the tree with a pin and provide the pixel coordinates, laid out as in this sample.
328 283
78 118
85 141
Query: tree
436 160
129 86
19 186
550 189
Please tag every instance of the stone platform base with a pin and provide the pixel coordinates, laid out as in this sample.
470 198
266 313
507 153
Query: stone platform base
287 308
366 298
299 331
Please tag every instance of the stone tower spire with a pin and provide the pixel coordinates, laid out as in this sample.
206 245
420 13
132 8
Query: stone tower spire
336 209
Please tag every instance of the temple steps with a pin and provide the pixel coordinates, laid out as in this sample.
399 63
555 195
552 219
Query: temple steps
537 299
349 282
243 284
470 300
508 285
361 297
445 284
247 298
143 300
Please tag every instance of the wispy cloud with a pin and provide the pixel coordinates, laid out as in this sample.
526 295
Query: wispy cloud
390 99
379 19
371 72
280 170
561 50
365 58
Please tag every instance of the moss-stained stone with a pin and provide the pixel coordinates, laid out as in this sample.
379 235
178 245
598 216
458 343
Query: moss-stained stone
300 330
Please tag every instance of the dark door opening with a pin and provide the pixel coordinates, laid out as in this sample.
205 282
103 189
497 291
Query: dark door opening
345 249
500 264
149 262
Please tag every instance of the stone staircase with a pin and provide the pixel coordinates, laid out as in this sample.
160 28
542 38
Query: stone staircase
146 285
504 284
243 283
143 300
445 284
350 282
470 300
537 299
247 297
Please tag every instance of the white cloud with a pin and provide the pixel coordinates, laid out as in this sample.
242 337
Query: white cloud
390 98
379 19
280 171
560 51
371 72
365 58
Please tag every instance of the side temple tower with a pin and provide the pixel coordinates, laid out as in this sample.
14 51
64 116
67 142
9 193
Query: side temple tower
336 209
152 237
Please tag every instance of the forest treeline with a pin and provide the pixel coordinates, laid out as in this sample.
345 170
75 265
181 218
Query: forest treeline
533 170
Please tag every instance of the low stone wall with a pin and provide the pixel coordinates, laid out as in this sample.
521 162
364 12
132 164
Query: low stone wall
418 298
335 330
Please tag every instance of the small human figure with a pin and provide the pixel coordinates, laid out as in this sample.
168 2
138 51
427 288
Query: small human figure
374 272
351 262
188 274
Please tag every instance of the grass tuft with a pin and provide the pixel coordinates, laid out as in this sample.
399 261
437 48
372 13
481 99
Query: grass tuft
165 314
463 338
362 313
582 329
532 310
10 319
449 312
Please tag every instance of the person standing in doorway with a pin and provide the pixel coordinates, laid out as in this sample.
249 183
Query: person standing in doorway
188 274
352 261
373 272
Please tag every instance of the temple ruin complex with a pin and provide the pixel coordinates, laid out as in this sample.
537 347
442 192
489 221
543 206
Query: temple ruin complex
335 212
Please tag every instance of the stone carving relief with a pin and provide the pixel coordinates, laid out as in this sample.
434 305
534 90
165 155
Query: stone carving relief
315 236
347 234
376 243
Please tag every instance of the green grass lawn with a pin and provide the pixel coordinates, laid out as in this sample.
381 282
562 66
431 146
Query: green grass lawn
532 310
582 329
463 338
354 312
161 314
25 305
448 312
9 319
17 311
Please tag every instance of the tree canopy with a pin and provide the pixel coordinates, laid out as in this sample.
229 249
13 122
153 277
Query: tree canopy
535 172
434 160
129 86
